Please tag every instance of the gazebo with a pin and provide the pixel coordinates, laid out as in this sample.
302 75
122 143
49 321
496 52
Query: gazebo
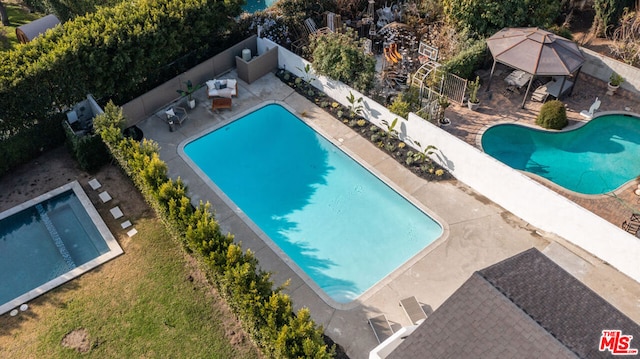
35 28
537 52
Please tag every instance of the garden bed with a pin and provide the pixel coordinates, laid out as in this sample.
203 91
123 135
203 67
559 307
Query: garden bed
385 139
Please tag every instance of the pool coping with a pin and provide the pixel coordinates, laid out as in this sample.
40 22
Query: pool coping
369 292
114 248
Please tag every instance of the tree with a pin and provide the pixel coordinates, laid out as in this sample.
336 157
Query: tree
3 15
341 57
485 17
608 12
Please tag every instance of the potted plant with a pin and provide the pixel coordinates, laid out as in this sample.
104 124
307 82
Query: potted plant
473 103
189 92
614 82
443 103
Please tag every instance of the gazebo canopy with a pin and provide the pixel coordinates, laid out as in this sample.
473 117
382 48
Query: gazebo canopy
535 51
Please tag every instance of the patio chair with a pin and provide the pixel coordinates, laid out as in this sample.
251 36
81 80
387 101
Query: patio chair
540 94
176 115
313 28
381 327
393 49
391 59
413 310
594 107
631 227
298 45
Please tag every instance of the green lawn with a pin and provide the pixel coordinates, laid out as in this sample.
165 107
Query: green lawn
143 304
18 16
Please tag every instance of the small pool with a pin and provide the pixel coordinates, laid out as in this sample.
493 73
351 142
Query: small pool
340 224
596 158
257 5
48 241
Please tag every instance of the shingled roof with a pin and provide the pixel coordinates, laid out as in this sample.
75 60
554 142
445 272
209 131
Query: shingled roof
525 306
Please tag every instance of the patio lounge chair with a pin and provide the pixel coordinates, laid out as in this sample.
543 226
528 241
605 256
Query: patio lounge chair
381 327
176 115
413 310
594 107
541 93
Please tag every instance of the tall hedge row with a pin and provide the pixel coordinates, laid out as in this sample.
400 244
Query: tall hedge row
117 52
266 313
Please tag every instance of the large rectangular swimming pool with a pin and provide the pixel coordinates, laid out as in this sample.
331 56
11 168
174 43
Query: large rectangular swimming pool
49 240
340 224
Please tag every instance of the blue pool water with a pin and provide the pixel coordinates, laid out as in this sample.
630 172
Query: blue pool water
339 223
46 241
596 158
257 5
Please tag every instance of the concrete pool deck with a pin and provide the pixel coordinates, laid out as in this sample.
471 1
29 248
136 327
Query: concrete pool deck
478 233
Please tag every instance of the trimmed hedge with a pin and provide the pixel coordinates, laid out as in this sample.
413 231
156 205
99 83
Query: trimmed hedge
553 115
266 313
116 52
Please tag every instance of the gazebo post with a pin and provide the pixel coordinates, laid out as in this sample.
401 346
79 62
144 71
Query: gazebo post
533 76
564 79
575 80
493 67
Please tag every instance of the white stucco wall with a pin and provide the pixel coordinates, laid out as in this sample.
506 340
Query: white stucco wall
601 67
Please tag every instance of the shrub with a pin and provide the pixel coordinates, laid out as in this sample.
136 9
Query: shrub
88 150
553 115
400 107
473 90
340 57
467 61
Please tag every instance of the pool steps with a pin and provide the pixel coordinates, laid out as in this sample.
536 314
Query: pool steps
56 237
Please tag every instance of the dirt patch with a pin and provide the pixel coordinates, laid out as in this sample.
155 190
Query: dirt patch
77 340
580 24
